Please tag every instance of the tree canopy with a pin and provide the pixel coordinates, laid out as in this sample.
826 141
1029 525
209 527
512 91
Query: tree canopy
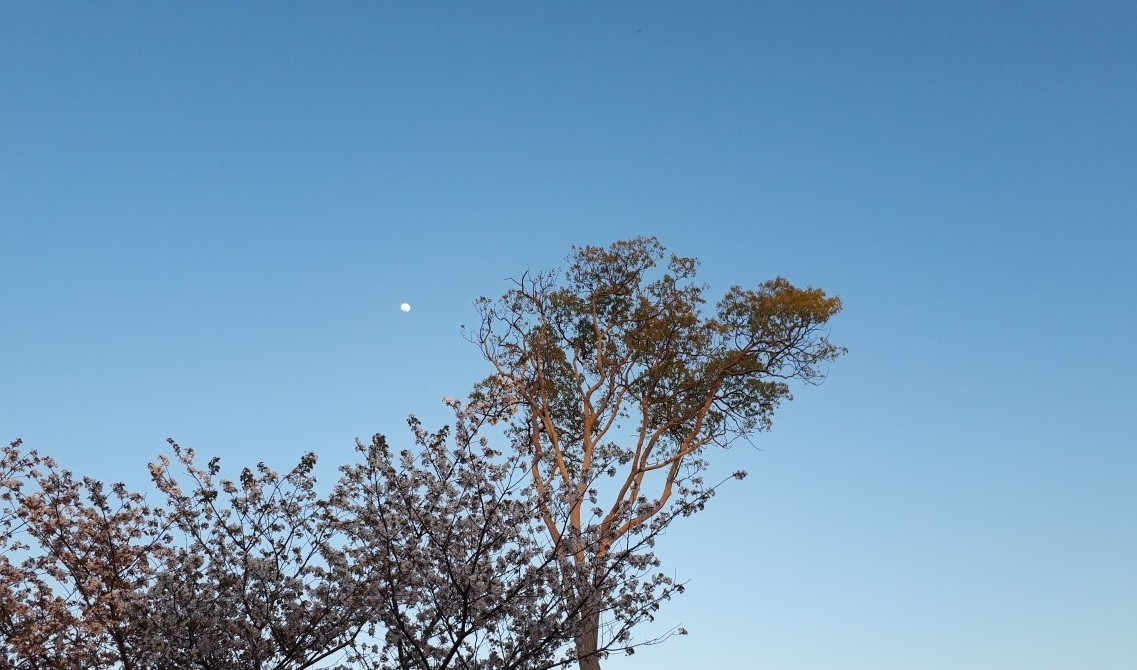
614 379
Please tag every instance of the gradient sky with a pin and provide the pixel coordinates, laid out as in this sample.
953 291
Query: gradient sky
210 213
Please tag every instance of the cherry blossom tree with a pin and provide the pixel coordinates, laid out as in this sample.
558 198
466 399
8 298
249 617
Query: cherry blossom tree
432 558
257 579
225 575
89 552
450 539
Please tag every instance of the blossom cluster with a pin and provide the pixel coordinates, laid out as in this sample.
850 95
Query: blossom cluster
432 557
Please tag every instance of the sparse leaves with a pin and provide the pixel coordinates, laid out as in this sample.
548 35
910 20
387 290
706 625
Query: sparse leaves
613 378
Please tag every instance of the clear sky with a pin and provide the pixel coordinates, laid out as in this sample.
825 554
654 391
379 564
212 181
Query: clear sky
210 213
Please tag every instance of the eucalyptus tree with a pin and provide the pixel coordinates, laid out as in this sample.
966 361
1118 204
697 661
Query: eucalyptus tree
615 380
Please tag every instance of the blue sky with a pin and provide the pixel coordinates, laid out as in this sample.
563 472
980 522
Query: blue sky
209 215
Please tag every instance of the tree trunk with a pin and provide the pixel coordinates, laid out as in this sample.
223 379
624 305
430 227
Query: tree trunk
587 638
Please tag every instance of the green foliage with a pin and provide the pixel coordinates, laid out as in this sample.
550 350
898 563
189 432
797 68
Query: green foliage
623 336
616 370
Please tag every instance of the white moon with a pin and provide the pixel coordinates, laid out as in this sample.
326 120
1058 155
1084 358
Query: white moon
406 306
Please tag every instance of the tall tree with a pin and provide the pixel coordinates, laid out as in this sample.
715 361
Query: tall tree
615 383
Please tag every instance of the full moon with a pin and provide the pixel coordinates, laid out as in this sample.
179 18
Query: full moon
406 306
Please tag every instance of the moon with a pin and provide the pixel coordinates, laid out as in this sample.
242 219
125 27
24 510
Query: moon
406 306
